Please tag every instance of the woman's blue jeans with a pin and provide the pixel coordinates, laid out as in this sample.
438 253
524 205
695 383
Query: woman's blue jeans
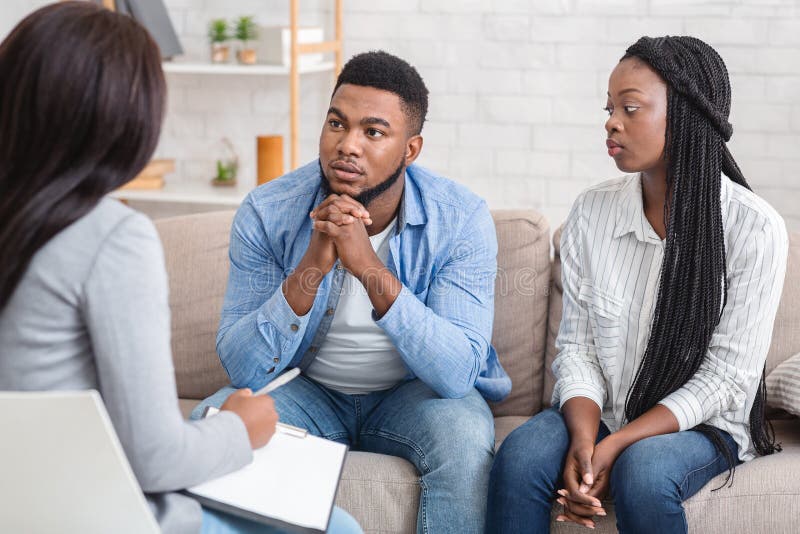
649 481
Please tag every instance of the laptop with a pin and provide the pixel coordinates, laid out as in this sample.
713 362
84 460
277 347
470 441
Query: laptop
63 468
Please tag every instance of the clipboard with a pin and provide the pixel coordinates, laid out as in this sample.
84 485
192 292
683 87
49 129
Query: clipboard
290 484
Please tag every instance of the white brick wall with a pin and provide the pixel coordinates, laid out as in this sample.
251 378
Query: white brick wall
517 87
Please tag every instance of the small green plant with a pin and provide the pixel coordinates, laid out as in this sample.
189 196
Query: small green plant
218 31
227 163
226 170
246 29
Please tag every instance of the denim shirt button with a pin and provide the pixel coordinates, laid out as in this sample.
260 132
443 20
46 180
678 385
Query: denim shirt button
294 328
276 360
329 311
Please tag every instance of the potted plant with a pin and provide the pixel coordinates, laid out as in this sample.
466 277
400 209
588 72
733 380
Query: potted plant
246 32
227 165
218 36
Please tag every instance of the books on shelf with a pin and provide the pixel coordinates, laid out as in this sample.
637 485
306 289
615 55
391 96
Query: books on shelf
152 176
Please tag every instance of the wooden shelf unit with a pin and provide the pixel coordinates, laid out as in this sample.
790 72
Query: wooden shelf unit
202 193
297 49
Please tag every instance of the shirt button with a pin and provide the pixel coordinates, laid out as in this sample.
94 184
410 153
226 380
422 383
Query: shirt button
339 267
312 349
329 311
276 360
294 328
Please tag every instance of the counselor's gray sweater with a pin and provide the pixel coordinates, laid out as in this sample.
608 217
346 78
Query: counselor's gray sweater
92 312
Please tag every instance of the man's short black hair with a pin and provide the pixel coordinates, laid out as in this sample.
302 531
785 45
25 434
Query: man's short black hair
384 71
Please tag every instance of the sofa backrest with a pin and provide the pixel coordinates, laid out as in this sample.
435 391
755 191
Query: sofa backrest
196 252
554 310
785 333
520 307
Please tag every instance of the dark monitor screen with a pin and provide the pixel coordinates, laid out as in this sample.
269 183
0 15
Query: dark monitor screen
153 15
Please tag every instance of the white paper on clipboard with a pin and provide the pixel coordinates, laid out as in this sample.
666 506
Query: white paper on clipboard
291 482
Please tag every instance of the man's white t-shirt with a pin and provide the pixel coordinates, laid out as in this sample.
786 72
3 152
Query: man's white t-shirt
357 356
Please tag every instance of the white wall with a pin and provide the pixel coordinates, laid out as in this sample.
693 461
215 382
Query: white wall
516 86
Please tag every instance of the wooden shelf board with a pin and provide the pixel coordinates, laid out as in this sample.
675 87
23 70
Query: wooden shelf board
231 68
185 193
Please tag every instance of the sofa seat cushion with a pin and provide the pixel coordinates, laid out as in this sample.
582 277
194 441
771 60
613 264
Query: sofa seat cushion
380 491
503 426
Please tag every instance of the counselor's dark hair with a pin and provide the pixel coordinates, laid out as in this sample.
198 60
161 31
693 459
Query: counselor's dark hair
81 102
382 70
693 285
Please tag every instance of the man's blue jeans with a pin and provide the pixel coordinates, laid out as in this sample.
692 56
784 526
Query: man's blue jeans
449 441
649 481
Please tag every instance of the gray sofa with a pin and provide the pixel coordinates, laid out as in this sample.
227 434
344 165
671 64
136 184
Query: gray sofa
382 492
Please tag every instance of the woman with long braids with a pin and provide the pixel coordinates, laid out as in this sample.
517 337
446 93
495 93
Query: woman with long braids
672 277
83 288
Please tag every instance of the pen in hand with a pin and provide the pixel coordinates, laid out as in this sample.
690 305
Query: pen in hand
281 380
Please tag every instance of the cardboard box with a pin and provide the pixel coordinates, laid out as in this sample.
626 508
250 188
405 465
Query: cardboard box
275 42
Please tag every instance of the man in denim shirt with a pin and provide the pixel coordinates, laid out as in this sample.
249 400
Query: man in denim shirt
376 278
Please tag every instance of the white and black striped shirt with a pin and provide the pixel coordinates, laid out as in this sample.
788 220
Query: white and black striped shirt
611 260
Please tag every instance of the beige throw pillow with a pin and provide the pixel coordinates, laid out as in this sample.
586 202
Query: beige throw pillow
783 386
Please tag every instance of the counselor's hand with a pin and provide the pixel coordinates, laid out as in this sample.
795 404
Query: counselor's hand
257 413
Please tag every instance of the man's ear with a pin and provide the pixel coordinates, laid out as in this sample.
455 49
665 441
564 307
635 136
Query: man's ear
413 148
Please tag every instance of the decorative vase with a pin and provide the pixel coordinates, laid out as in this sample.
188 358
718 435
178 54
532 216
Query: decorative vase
220 52
269 157
246 56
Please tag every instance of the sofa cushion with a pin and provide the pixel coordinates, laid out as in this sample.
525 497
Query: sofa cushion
520 320
783 385
503 426
553 319
380 491
196 254
786 333
196 251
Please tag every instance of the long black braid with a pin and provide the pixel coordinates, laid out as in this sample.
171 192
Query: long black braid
693 286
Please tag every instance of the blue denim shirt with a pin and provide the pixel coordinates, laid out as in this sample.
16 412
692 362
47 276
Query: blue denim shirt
444 252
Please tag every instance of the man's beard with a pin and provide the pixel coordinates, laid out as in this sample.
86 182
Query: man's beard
367 196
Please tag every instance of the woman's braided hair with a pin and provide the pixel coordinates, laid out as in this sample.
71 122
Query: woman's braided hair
693 284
